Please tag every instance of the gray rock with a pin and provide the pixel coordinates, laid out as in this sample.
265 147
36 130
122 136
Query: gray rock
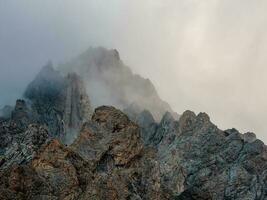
24 146
58 102
249 137
108 160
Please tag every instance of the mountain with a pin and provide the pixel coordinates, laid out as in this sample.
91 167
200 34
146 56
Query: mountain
110 82
54 146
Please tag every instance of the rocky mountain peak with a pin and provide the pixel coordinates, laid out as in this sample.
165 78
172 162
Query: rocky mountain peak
100 53
46 86
59 102
106 117
123 135
167 117
187 120
110 82
204 117
249 137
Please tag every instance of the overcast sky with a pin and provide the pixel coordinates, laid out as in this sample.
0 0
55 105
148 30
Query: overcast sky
201 55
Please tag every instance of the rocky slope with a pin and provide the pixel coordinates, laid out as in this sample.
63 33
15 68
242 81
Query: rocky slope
54 147
109 160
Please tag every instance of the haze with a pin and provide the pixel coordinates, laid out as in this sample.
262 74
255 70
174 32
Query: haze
201 55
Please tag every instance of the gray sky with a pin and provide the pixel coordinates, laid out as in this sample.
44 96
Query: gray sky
201 55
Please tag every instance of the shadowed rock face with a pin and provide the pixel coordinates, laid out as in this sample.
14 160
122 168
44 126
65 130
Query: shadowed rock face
58 102
108 160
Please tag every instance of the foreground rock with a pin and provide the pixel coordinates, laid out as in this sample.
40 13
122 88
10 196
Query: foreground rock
186 159
19 139
107 161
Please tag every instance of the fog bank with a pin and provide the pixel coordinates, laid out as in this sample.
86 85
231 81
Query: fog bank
201 55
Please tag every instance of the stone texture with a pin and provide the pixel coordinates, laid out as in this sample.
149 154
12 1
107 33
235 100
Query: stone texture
24 146
205 163
106 161
109 160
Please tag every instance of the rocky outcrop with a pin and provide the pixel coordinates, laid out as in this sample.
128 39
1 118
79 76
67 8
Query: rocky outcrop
106 161
14 126
113 134
46 96
54 173
24 146
20 140
203 162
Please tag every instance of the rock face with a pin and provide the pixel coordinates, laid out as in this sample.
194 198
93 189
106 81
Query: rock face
186 159
24 146
110 82
203 162
77 108
106 161
20 140
58 102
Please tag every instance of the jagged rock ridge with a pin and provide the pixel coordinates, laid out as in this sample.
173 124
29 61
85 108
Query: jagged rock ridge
108 160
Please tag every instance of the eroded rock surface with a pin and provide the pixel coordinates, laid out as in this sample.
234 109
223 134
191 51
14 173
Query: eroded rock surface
109 160
203 162
106 161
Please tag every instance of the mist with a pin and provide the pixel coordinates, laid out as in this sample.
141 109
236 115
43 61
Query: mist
201 55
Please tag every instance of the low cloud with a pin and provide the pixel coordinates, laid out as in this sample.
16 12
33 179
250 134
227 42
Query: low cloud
201 55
